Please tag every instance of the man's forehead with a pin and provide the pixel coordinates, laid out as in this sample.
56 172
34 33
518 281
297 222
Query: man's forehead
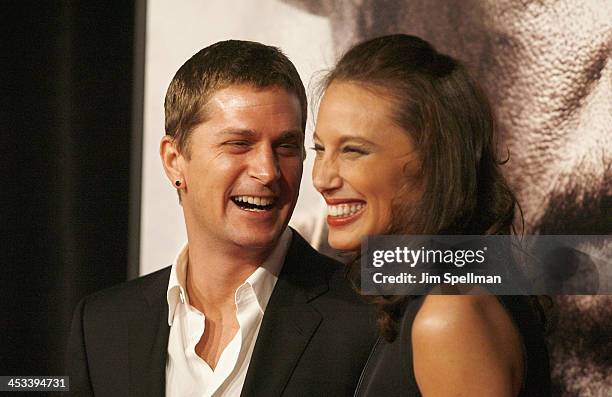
247 133
246 96
250 111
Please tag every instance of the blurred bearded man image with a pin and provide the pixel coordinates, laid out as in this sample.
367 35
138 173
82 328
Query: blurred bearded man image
248 307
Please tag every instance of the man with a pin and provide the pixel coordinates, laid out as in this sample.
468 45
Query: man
248 308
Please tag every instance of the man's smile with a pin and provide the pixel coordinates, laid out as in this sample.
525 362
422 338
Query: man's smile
254 203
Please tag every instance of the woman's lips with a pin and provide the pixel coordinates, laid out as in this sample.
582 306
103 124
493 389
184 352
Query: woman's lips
341 213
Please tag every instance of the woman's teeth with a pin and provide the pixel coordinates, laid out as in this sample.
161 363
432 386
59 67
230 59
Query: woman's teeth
344 210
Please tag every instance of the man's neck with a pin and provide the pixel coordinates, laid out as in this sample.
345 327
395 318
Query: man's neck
214 273
213 276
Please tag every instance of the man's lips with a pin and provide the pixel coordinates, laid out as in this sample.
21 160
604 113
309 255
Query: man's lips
255 203
257 200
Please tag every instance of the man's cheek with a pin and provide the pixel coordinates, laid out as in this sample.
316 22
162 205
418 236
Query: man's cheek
293 172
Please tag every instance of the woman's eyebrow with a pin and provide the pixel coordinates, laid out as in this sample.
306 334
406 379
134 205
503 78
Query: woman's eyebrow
352 138
356 139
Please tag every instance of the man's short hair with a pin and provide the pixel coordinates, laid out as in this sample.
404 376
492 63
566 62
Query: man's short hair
224 64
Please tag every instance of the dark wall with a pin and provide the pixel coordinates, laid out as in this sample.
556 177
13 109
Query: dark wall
67 79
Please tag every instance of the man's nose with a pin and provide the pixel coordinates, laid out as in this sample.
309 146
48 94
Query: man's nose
265 166
325 175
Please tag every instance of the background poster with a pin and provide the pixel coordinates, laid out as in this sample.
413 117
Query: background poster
79 78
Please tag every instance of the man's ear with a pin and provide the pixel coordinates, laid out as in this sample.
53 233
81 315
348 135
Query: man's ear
172 160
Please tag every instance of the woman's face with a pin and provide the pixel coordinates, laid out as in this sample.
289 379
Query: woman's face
362 160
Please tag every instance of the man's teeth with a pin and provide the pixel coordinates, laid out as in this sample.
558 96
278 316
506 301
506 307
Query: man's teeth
261 201
343 210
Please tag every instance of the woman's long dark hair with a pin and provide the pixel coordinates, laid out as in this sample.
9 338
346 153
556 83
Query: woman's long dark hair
449 119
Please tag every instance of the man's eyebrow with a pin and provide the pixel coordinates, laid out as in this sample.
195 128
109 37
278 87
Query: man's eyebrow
236 131
290 135
246 133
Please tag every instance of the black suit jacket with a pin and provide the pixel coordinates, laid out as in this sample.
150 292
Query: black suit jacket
314 339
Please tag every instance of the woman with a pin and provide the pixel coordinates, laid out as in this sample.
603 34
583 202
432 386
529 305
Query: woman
404 145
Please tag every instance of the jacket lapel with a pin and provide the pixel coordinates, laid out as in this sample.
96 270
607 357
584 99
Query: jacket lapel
148 333
288 323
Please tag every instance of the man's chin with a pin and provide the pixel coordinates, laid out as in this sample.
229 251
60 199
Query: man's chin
257 239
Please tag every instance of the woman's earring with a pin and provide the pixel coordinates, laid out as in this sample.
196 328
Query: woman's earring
177 183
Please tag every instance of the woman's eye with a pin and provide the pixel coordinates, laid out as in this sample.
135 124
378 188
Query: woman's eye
354 150
317 148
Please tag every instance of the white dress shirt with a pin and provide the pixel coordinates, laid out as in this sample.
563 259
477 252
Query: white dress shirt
186 373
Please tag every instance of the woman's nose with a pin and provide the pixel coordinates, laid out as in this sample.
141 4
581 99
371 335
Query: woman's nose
325 175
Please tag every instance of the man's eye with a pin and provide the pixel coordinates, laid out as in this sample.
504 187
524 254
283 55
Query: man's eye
237 147
318 148
237 143
289 149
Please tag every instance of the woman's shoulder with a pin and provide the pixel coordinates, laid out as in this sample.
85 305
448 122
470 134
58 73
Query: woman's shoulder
453 318
443 311
470 338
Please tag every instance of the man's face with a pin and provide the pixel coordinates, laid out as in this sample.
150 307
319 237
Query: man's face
243 175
